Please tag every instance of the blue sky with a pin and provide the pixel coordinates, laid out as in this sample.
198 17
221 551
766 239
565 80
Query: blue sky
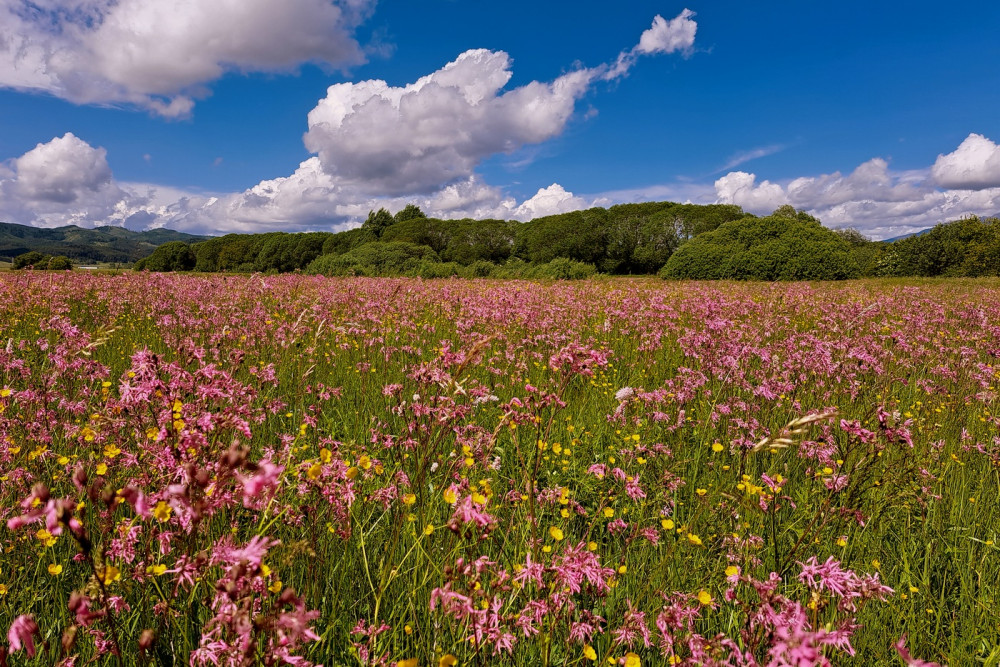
871 115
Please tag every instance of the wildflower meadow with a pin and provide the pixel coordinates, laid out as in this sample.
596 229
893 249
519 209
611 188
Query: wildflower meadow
291 470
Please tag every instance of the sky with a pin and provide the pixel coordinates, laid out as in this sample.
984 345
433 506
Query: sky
218 116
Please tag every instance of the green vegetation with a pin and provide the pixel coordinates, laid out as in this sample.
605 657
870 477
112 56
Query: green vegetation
40 262
784 246
86 246
675 241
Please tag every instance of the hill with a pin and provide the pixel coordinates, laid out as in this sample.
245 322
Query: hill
87 246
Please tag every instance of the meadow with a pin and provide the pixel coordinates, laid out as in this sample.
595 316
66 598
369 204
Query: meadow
242 470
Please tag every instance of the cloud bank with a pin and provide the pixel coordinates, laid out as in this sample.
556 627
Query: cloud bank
877 200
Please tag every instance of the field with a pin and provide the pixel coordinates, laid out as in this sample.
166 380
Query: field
287 470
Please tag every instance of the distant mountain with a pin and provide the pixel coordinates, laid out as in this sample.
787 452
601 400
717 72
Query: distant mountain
87 246
906 236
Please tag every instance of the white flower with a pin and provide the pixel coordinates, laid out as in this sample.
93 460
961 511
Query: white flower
624 394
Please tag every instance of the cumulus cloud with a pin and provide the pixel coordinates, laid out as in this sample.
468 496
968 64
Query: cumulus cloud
159 55
394 140
669 36
873 198
549 201
63 181
415 138
974 165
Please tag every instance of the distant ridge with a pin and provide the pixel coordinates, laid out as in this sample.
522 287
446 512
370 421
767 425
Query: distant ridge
906 236
87 246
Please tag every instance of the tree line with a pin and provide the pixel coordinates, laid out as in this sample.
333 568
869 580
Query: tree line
675 241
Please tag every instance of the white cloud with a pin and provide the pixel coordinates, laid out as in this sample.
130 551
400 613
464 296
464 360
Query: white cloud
664 36
873 198
974 165
416 138
549 201
746 156
742 189
669 36
63 181
159 55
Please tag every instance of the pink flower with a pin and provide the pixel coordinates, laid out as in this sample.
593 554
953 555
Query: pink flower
22 634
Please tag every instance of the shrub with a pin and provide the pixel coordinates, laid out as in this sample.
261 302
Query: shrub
778 247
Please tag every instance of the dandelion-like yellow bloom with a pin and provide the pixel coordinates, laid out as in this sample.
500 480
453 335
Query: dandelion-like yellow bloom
556 533
55 569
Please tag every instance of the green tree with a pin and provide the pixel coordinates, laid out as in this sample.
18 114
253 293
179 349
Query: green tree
409 212
31 259
60 263
173 256
378 221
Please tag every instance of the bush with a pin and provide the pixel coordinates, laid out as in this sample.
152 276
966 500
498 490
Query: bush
563 269
60 263
375 258
778 247
32 260
481 269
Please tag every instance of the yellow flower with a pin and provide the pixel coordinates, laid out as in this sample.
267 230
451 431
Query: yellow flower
111 451
325 455
315 470
428 529
701 492
275 587
447 660
732 571
364 462
556 533
409 662
622 569
4 393
704 597
352 473
162 511
694 539
841 541
3 590
667 524
609 512
717 447
109 574
591 546
632 660
589 653
55 570
102 469
450 496
478 498
408 498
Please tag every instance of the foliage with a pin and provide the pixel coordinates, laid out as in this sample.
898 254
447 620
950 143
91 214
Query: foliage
966 247
60 263
173 256
32 259
784 246
375 258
